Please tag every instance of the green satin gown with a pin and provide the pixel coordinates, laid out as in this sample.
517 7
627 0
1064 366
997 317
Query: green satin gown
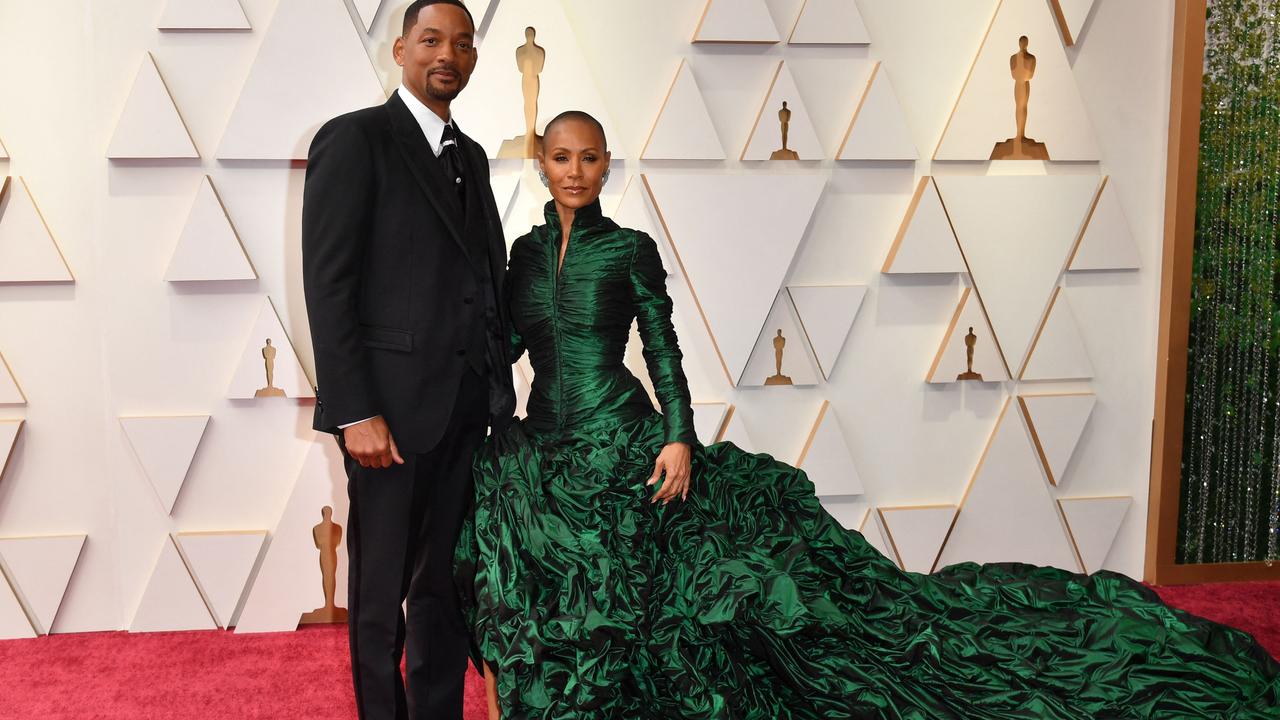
748 600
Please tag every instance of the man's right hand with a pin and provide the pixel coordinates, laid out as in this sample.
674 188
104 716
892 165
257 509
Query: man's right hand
371 444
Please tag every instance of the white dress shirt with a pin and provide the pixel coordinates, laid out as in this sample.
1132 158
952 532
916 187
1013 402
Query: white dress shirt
433 128
431 123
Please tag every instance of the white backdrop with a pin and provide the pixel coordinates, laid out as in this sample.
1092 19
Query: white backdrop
122 342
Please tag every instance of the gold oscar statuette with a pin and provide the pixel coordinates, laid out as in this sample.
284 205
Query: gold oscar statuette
779 342
327 535
531 58
269 358
784 118
970 342
1022 65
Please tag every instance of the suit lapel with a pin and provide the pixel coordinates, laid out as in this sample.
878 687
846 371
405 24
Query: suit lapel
425 167
495 241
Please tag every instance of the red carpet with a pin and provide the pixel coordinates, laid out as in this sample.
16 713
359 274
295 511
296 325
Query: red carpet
304 675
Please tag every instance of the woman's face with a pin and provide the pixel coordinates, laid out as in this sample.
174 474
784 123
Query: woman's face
574 160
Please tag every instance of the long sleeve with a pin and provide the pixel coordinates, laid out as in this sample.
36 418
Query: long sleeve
335 214
662 354
515 343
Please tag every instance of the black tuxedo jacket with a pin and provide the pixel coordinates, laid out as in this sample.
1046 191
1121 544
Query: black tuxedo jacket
394 276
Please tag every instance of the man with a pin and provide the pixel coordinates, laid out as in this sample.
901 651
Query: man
403 259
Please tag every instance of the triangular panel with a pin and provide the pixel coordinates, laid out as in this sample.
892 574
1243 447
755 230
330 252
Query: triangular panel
491 111
1094 523
829 22
736 21
269 339
683 129
368 10
986 112
10 392
28 252
209 247
635 211
1056 423
708 419
925 242
9 431
504 186
781 335
1058 352
150 125
1006 514
878 130
165 447
826 458
171 601
826 315
220 563
290 582
916 534
298 81
851 513
766 215
765 141
1071 15
41 568
14 624
735 431
527 206
1016 233
1107 243
203 15
4 152
872 531
952 358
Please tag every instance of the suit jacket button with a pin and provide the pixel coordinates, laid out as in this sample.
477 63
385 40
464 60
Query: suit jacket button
467 300
462 352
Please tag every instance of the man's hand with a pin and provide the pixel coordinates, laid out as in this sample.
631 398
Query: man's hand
674 461
371 444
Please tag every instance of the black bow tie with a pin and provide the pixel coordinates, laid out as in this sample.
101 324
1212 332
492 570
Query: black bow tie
451 159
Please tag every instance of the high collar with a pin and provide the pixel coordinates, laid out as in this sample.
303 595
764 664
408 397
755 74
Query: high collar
586 216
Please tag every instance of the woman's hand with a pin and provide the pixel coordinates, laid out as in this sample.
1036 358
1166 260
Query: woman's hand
675 461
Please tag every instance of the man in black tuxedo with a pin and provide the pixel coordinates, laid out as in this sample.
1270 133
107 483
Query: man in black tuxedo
403 259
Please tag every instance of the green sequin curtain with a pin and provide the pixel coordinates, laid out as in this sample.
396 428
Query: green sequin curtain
1230 501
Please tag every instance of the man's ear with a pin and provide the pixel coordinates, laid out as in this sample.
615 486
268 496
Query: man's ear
397 51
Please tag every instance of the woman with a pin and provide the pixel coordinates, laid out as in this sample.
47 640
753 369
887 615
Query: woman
709 582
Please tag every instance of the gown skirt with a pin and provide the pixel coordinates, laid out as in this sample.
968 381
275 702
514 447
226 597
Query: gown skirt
749 601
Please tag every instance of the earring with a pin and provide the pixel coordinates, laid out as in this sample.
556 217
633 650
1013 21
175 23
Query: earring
604 179
546 181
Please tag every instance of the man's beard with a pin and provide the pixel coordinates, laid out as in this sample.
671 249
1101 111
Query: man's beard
437 93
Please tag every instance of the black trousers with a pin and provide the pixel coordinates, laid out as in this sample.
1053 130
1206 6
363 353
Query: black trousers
401 531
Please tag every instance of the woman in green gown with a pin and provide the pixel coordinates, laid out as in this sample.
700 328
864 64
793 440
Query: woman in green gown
615 567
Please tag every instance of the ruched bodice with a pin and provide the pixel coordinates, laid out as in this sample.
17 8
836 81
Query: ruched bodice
575 323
